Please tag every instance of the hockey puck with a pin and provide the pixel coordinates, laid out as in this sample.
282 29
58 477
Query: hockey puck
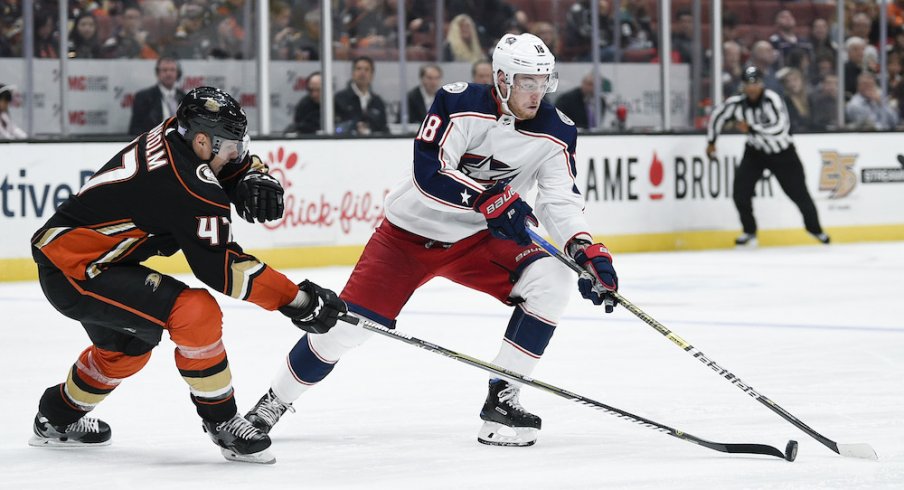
791 451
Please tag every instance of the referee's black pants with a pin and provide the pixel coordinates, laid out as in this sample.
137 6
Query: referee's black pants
788 170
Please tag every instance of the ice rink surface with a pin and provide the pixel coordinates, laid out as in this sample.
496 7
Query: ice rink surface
819 330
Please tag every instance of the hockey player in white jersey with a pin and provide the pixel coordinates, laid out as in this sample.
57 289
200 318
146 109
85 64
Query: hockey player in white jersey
460 216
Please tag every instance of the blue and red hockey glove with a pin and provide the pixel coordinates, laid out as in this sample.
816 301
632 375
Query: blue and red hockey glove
506 213
600 277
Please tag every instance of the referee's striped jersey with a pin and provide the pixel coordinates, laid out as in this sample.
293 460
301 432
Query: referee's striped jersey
770 126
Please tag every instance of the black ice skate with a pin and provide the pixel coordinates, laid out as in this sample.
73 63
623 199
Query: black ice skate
746 240
822 237
240 441
506 423
84 432
266 413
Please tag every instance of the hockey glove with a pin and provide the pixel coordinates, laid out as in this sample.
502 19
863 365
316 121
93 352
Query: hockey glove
506 213
259 196
600 277
320 313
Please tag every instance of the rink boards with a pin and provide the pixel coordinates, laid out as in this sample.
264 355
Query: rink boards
643 193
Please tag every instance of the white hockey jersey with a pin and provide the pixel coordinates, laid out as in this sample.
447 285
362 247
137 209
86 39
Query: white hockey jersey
465 145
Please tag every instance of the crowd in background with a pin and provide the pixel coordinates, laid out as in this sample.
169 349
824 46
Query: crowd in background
793 42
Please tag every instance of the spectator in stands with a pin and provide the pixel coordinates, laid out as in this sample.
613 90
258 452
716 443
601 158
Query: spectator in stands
896 13
8 129
855 47
420 98
824 106
83 42
820 39
785 40
358 109
308 45
282 33
157 103
547 33
482 72
579 31
578 104
683 35
129 40
636 25
289 43
193 39
896 83
491 17
867 109
825 65
364 22
10 27
797 99
307 112
46 35
732 68
861 25
763 56
897 40
799 58
229 21
462 42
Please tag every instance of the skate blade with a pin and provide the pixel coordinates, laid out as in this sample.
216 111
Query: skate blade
750 244
260 457
496 434
36 441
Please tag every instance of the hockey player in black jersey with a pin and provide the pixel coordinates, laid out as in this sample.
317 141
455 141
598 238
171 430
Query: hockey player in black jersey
168 190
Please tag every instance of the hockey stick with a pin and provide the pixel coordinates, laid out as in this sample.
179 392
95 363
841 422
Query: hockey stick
861 450
790 450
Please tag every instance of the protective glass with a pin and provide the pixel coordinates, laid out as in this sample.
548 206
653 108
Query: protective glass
531 84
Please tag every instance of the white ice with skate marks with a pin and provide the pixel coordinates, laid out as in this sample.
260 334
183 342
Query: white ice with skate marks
817 329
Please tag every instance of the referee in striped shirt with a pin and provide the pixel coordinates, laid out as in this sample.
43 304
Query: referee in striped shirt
762 115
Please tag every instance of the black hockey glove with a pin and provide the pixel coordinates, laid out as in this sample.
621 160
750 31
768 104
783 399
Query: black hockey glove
259 196
600 277
506 213
320 313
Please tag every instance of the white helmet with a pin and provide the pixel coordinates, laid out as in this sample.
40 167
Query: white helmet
526 54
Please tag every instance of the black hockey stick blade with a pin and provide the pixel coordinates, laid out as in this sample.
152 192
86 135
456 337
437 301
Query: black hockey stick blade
789 455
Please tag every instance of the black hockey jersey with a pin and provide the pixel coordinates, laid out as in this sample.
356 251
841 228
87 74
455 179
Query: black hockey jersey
155 197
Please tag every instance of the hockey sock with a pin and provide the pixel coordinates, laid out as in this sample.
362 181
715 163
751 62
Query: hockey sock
195 326
94 376
524 343
303 368
210 385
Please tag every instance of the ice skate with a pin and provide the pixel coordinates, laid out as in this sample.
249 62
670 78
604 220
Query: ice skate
84 432
266 413
506 423
746 240
240 441
822 237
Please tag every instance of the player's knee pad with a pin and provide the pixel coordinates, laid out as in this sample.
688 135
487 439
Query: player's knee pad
545 286
196 327
340 339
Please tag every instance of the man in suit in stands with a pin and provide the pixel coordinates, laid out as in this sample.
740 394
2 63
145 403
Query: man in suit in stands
358 109
158 103
578 104
420 98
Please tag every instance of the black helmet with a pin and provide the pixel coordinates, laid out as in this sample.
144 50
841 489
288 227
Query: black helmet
215 113
752 74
